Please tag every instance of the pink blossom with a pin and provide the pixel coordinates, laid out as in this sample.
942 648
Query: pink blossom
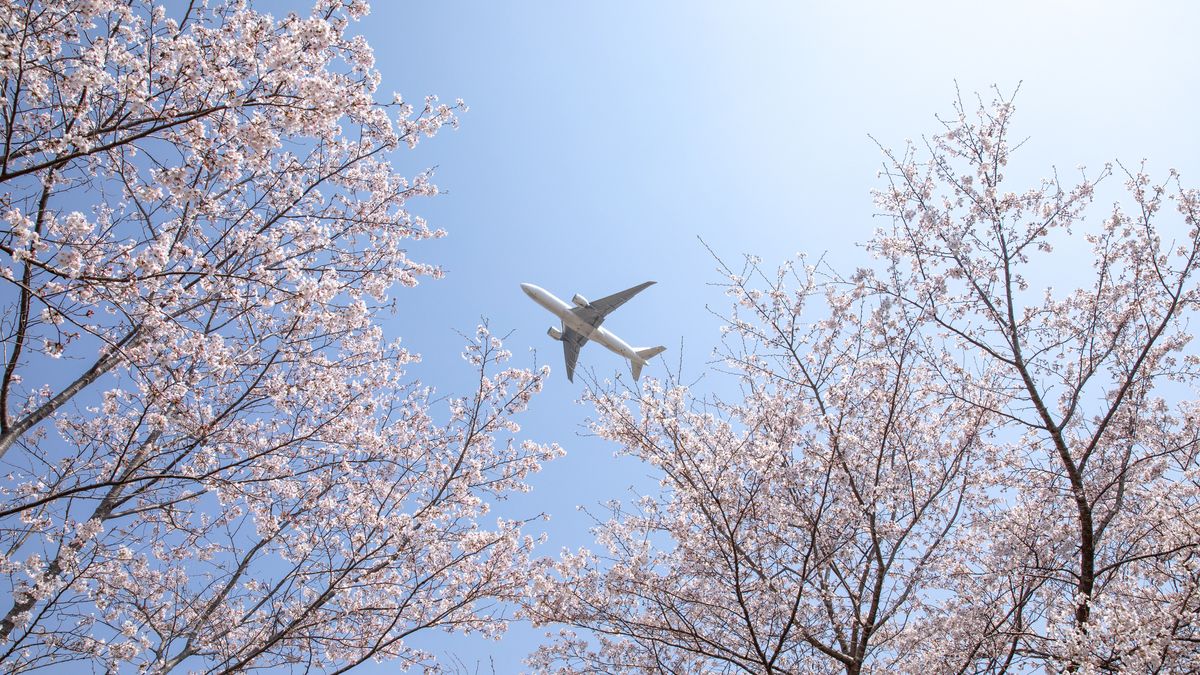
241 475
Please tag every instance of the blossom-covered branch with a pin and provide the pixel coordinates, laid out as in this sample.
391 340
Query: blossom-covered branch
936 465
215 459
797 529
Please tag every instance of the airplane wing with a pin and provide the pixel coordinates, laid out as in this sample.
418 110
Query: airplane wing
572 342
597 310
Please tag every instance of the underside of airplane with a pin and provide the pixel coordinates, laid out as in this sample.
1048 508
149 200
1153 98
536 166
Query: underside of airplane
581 323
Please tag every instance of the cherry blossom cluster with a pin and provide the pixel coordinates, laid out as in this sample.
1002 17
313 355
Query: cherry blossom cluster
214 458
797 528
945 463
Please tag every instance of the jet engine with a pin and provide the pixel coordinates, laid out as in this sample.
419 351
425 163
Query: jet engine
579 300
554 333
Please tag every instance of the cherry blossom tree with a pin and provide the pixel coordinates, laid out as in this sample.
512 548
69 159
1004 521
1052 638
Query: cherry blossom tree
214 459
799 528
945 465
1089 563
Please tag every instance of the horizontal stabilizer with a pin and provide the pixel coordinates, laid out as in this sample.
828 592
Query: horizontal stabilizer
649 352
643 354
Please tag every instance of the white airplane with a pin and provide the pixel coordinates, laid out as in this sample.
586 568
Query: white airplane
582 323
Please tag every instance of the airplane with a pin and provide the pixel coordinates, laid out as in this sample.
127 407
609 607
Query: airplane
582 323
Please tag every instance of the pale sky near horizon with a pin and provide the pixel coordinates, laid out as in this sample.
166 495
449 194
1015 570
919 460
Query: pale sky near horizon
605 139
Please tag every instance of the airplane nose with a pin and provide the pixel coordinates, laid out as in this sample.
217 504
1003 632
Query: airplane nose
528 288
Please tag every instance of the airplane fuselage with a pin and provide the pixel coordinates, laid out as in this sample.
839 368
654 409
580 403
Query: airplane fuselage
563 311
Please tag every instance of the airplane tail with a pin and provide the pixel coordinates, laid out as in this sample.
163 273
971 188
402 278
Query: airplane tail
643 356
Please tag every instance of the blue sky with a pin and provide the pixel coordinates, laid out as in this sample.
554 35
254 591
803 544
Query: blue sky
604 139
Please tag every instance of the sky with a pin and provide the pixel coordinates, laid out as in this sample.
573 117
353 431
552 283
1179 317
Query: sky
606 141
